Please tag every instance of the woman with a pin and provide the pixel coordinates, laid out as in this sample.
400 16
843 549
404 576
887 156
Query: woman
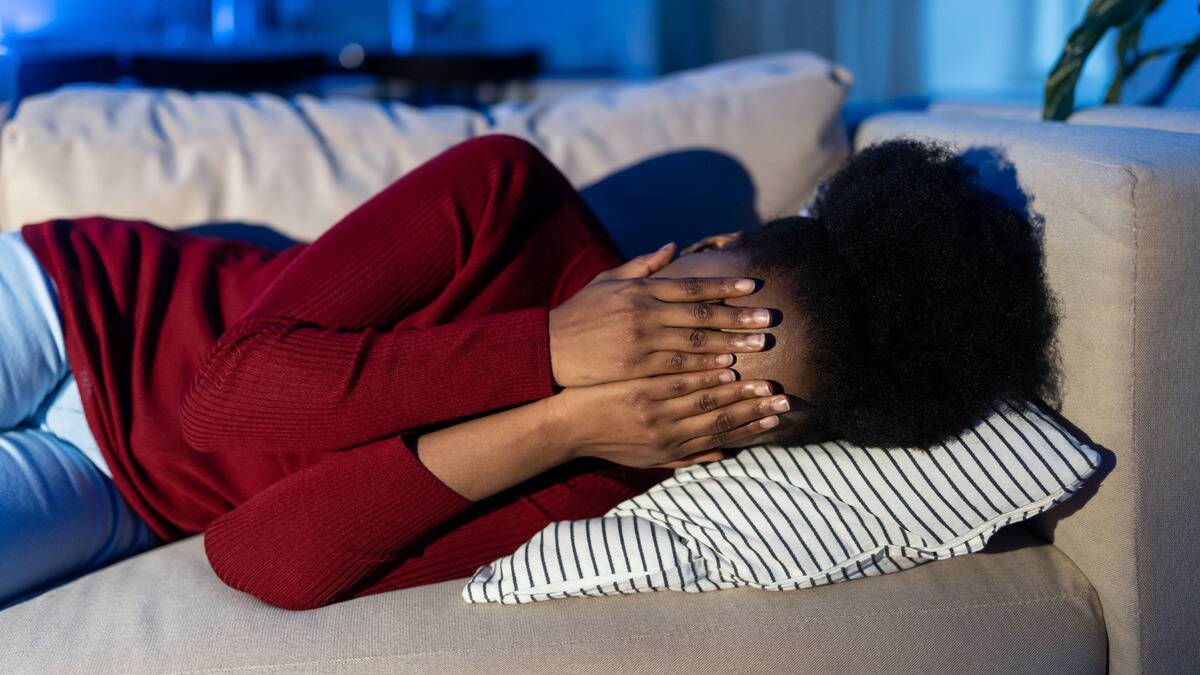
464 359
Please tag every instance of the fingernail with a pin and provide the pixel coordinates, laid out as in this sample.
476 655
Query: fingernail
762 390
761 317
781 404
665 246
744 285
725 359
726 376
756 341
768 422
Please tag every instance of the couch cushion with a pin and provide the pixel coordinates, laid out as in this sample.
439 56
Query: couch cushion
1123 258
717 147
1019 606
179 159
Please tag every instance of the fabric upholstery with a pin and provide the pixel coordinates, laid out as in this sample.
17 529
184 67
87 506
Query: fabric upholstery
1123 257
790 518
1020 606
1030 112
741 139
1182 120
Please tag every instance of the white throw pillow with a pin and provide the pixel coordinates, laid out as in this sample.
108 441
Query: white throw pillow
784 518
750 136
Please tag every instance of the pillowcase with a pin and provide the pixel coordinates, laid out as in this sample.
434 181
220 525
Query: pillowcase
784 518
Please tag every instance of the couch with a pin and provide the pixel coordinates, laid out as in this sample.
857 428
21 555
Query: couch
1104 582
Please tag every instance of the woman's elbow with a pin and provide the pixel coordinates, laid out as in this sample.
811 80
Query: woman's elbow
197 423
212 411
267 582
204 427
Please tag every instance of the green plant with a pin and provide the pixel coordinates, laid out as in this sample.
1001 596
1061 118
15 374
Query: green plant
1127 17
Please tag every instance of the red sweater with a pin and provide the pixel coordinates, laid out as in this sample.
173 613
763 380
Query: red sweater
268 399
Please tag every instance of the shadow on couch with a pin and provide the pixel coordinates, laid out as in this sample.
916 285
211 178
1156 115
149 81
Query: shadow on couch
679 196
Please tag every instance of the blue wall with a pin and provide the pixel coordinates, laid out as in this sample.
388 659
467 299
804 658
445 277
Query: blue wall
946 48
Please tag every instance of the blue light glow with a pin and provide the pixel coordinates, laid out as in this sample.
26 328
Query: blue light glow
224 30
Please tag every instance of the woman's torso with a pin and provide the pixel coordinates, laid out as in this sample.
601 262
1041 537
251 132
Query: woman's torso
140 307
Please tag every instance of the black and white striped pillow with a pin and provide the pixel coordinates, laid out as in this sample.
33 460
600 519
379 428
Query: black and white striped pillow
783 518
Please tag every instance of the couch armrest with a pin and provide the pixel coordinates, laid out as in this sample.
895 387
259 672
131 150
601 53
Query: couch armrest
1123 258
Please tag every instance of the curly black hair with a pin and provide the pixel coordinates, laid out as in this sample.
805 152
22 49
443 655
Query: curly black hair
923 296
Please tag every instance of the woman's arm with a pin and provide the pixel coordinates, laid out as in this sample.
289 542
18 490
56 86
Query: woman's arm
316 535
489 454
368 519
352 341
395 318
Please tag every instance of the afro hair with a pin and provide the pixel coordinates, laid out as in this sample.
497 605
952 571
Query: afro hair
922 294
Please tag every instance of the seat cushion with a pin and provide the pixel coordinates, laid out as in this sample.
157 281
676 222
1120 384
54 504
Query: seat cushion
1019 605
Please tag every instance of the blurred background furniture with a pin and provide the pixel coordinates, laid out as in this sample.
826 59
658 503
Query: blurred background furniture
898 49
472 79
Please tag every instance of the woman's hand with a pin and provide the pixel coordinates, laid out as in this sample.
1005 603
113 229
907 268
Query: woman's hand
717 241
664 421
623 325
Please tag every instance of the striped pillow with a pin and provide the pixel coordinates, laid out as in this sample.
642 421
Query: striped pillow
784 518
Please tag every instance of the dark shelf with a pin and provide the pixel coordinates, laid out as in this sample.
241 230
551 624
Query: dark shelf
466 78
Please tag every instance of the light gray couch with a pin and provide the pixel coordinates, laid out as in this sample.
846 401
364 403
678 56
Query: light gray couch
1107 580
1123 256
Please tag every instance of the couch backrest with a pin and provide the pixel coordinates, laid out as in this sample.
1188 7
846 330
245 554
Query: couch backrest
702 151
1184 120
1123 257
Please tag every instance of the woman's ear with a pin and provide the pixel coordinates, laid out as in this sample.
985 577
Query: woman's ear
717 241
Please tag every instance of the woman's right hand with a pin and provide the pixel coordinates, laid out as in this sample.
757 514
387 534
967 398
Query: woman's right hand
624 325
664 421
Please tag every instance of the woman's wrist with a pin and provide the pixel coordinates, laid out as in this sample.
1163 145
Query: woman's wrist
559 426
481 457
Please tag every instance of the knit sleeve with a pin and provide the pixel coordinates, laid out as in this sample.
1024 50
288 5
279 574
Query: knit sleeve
301 544
426 304
283 385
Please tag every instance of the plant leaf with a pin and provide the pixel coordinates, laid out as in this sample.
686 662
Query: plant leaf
1187 56
1129 58
1101 16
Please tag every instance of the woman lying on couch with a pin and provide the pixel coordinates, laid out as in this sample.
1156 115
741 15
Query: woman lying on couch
465 358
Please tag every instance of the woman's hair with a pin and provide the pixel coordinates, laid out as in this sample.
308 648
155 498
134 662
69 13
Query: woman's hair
922 295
